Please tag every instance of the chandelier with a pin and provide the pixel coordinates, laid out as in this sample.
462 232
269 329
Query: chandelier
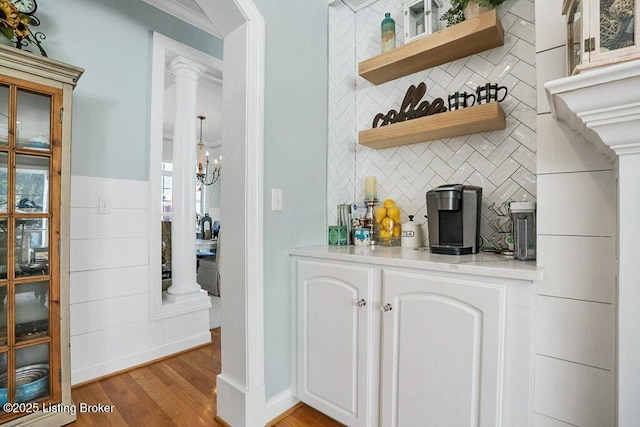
203 175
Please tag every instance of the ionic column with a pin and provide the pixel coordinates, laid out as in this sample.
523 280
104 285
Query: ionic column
183 237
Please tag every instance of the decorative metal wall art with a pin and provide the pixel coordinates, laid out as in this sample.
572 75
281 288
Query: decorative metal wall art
17 20
411 107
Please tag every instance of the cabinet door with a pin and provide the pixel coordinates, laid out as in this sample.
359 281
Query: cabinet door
30 170
442 351
334 336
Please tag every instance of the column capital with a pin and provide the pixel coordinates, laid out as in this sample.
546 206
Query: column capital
181 65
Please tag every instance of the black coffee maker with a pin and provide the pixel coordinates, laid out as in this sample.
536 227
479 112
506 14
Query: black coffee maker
453 212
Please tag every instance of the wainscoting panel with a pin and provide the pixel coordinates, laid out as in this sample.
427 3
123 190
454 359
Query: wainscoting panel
110 321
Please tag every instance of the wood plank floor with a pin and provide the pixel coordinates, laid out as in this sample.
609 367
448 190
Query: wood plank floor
179 391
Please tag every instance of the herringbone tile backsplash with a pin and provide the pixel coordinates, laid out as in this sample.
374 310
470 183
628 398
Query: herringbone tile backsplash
503 162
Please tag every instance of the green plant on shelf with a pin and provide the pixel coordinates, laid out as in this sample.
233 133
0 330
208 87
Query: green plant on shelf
456 14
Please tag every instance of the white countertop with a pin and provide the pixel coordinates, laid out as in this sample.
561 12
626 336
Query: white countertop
481 264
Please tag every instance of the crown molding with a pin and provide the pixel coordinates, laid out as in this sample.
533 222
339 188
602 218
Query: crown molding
602 105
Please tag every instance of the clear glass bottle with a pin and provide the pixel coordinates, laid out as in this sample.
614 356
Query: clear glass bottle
388 28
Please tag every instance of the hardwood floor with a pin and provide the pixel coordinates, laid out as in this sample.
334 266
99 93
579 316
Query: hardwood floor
179 391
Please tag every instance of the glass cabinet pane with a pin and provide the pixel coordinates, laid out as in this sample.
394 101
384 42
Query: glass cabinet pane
32 310
616 25
34 120
3 378
4 183
3 315
32 247
32 183
4 115
4 241
32 373
574 42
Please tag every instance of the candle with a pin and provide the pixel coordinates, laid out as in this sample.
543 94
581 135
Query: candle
200 148
370 188
207 157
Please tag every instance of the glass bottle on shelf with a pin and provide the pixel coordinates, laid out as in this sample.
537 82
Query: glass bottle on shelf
388 29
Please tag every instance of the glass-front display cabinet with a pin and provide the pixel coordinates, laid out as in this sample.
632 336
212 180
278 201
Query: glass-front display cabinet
35 107
601 32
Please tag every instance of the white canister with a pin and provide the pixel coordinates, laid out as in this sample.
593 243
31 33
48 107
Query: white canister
411 234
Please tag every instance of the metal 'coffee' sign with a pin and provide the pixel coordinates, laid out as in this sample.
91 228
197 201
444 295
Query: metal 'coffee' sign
411 107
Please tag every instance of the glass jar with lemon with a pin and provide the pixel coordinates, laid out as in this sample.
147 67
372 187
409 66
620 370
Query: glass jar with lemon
388 227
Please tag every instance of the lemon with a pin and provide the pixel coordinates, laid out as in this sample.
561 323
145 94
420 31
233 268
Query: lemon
387 224
394 213
380 213
396 230
385 235
389 203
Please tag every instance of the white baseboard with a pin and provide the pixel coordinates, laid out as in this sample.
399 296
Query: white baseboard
238 406
107 367
279 404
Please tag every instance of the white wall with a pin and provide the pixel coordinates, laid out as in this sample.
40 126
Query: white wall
501 162
574 309
110 326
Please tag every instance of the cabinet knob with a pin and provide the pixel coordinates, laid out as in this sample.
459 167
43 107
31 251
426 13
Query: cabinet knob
361 303
385 308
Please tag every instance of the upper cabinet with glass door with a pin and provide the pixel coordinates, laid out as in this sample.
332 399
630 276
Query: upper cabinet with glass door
601 32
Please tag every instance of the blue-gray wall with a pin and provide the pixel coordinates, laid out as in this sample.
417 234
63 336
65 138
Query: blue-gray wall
295 142
112 41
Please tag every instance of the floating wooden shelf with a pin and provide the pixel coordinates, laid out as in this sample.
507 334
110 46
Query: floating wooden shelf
464 39
481 118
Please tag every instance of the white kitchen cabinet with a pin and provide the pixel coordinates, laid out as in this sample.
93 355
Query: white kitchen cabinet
442 341
442 351
336 360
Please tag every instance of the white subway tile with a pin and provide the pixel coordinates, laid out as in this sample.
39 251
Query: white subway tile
562 150
524 30
526 94
573 393
480 65
576 204
526 180
481 144
577 267
526 136
526 115
526 73
526 158
481 164
504 171
524 9
525 51
503 151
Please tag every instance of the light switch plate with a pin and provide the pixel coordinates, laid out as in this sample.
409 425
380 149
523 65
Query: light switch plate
276 199
104 205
